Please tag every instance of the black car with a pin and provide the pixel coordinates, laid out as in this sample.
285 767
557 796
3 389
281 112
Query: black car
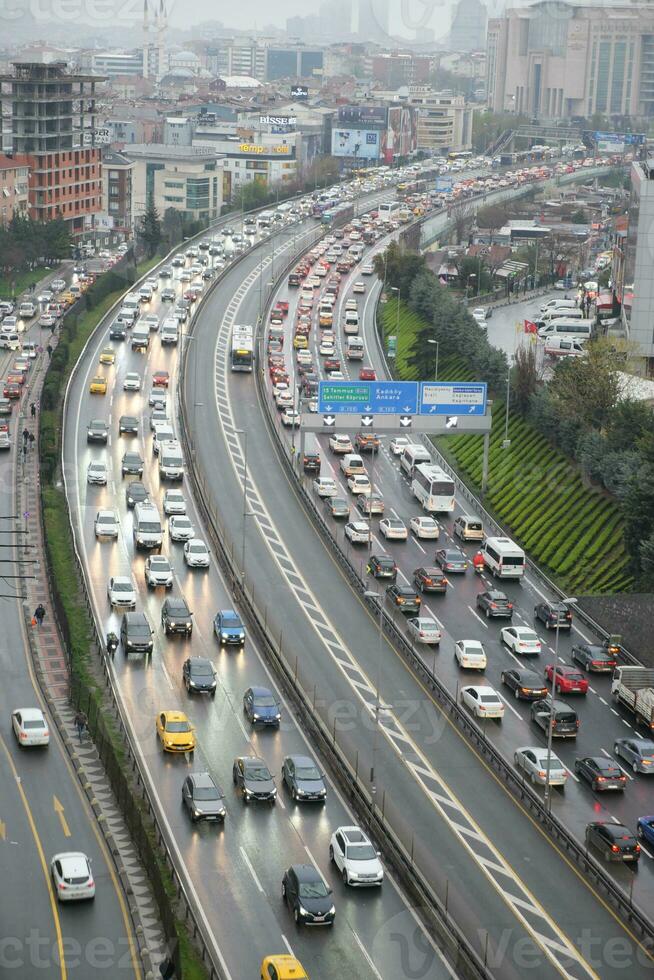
614 840
382 566
199 676
337 507
307 896
593 657
600 772
553 614
176 617
495 603
131 464
311 462
252 776
429 578
404 598
303 779
97 431
451 560
168 295
261 707
136 633
117 331
203 798
165 273
135 493
128 424
524 683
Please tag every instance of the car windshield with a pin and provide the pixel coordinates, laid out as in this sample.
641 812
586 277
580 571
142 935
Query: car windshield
229 619
361 852
36 723
313 889
197 548
160 563
122 586
202 670
307 772
489 699
258 773
177 726
206 793
264 701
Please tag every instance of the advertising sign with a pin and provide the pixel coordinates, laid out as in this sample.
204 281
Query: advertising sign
299 92
444 185
364 144
96 137
254 149
277 120
361 116
615 142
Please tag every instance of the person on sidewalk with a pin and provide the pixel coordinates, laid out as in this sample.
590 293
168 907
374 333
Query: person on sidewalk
26 434
39 614
49 350
33 410
81 724
30 439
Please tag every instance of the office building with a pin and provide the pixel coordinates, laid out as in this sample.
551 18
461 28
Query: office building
468 30
401 68
633 268
444 121
186 178
53 132
572 61
14 188
239 56
293 62
117 172
115 64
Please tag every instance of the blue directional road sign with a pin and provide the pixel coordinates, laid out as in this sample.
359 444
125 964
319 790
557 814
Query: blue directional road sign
453 398
368 397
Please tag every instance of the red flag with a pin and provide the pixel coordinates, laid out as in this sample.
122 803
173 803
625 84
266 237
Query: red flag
530 327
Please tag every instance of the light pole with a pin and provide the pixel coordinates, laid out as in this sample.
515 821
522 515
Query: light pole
398 290
372 490
243 432
376 597
507 442
548 788
435 344
190 339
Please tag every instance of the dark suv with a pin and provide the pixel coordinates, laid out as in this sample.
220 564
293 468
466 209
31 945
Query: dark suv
495 603
558 714
176 617
311 462
97 431
382 566
136 633
429 578
553 614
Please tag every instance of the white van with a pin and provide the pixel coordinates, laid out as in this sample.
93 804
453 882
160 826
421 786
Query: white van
352 464
564 346
163 432
145 294
559 304
131 302
171 461
169 333
355 349
27 310
351 324
141 337
581 329
503 558
558 312
147 529
9 340
413 454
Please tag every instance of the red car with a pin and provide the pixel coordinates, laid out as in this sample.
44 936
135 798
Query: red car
16 378
332 364
367 374
569 680
190 295
282 306
11 390
161 378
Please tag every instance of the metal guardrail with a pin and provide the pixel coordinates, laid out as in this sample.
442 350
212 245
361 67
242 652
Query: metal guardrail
620 901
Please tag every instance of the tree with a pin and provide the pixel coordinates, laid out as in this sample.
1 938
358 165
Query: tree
473 274
525 377
492 217
173 226
398 267
461 213
639 511
586 390
487 126
150 230
578 217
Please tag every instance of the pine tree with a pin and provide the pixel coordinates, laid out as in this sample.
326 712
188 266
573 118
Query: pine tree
150 232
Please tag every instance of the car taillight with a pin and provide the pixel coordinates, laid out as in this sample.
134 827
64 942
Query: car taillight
615 848
601 779
577 723
23 735
493 605
509 605
568 615
637 848
428 581
553 723
525 690
541 773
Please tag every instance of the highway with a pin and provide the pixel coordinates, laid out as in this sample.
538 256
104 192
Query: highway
43 809
239 867
419 750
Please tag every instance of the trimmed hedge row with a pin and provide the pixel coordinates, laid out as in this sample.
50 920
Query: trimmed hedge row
573 531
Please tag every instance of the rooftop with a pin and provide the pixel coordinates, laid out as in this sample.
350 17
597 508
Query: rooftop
165 151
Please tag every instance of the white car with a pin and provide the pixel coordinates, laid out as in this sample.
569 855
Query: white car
291 418
336 376
393 529
47 320
425 527
96 473
397 445
340 444
106 524
72 877
359 287
152 321
325 486
121 592
180 528
196 553
157 397
532 759
479 313
284 399
367 270
132 381
304 357
174 502
359 483
520 639
30 727
424 629
57 285
158 571
483 701
357 532
355 857
470 654
326 348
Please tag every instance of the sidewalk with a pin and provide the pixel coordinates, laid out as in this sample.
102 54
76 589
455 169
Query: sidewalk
51 668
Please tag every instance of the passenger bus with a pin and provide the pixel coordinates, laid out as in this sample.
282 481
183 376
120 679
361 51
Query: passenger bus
459 155
433 488
242 352
389 211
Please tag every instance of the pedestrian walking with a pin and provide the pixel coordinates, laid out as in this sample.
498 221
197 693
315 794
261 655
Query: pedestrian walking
33 410
81 724
26 434
30 439
39 614
24 451
49 350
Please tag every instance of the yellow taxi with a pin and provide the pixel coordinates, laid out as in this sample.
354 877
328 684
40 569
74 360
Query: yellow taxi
175 732
67 298
107 355
300 342
282 967
98 385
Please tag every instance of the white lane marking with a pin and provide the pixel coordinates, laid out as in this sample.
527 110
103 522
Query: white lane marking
367 956
316 866
418 545
603 701
288 945
477 616
248 865
166 675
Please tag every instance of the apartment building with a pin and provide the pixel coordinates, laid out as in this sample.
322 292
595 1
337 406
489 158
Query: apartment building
186 178
14 179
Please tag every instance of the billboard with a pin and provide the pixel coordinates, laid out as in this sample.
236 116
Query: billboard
615 142
286 121
362 116
362 144
300 93
402 134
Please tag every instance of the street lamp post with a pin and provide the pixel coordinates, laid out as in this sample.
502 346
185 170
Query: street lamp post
435 344
376 597
243 432
398 290
548 788
507 441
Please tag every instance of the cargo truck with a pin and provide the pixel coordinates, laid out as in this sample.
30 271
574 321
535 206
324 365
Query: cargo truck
634 687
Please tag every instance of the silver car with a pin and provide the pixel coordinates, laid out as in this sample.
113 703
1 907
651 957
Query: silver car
423 629
532 759
158 571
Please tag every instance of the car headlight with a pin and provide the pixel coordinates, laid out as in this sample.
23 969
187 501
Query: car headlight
171 623
224 636
277 716
192 684
332 910
197 813
302 910
256 716
247 792
274 792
